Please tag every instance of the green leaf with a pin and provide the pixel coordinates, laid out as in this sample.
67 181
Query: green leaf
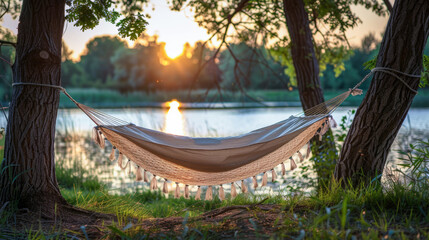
131 26
370 64
87 14
424 81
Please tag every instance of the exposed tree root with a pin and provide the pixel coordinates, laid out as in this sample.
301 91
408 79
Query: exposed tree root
58 217
255 221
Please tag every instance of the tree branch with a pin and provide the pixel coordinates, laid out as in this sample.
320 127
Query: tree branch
2 42
237 72
6 8
388 5
238 9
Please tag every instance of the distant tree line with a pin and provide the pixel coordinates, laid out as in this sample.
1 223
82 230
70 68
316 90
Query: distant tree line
109 63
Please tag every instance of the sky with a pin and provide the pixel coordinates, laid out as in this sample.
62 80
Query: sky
177 28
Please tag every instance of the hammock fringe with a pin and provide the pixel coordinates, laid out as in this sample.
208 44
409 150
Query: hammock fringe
255 182
301 158
101 139
273 175
221 193
209 194
177 192
233 190
145 178
112 154
139 176
120 160
332 122
154 183
283 169
325 128
165 186
198 194
187 191
307 155
292 164
264 179
243 187
95 135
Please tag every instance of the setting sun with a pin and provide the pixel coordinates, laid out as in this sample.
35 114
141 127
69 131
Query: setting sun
173 119
173 50
174 104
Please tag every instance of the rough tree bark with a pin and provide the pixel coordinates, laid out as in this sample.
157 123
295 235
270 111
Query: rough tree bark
28 170
388 100
307 75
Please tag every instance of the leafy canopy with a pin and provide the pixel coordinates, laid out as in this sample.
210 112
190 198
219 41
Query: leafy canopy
125 14
263 22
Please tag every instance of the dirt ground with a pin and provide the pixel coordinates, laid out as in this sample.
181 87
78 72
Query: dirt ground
243 221
246 221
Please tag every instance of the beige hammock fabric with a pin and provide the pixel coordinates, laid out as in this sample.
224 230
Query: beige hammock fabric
196 161
212 161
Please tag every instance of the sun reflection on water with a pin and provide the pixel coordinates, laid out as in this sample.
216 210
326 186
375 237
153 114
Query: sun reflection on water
174 123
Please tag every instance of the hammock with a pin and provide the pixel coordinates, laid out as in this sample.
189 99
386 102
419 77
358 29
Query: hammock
215 161
212 161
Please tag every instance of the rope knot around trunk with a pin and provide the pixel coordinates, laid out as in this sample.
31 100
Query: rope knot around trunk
390 71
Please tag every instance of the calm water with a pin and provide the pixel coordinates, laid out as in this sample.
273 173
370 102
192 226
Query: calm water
74 145
215 122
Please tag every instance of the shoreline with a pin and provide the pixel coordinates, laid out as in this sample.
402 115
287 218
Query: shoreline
103 98
199 105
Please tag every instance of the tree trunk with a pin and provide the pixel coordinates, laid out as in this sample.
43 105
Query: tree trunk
28 177
307 76
303 56
388 100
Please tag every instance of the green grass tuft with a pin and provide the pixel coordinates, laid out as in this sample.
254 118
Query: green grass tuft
77 177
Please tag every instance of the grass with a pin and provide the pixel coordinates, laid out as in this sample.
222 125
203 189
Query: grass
77 177
367 213
110 98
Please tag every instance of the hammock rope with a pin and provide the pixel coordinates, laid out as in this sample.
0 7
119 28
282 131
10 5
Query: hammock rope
392 72
215 161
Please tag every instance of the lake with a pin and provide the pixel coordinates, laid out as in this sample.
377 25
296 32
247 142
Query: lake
215 122
74 145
